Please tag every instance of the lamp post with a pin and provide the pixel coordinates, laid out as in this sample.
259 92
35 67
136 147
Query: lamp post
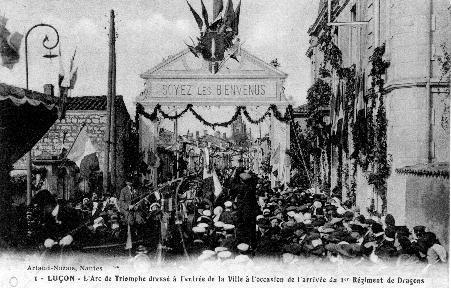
50 47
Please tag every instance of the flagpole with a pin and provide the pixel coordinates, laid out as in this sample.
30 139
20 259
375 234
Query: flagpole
72 146
79 132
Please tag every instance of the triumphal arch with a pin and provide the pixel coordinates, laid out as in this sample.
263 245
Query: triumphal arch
217 72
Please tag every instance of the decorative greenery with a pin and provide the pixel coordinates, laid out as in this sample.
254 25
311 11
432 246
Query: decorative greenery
272 110
275 63
369 133
444 61
318 97
303 169
332 54
370 141
445 68
332 63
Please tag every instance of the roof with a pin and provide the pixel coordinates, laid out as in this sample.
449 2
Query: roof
91 102
176 57
20 95
439 169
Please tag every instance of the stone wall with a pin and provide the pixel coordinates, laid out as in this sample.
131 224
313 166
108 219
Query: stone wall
64 132
427 203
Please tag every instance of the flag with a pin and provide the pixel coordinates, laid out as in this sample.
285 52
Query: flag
204 13
229 15
206 158
236 51
208 188
336 108
89 164
236 20
61 73
217 185
199 21
71 68
81 147
69 82
9 45
275 157
361 96
340 118
218 6
73 79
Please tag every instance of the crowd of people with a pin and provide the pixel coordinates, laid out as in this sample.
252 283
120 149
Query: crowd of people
288 224
249 220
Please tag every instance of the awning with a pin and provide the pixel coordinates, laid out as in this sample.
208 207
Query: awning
25 117
439 169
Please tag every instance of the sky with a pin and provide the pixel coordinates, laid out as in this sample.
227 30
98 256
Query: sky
148 31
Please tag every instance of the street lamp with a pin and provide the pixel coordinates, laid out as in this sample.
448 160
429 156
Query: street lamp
49 47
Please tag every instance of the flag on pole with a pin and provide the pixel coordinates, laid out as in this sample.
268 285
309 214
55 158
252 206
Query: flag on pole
337 108
206 158
82 147
229 15
9 45
73 79
218 6
69 82
341 114
204 13
199 21
236 20
275 157
61 73
361 97
217 184
71 68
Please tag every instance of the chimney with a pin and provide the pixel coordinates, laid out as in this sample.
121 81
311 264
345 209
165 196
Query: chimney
197 134
49 89
205 132
224 135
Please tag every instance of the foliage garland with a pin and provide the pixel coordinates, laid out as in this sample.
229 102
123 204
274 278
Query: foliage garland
272 110
369 136
371 142
333 60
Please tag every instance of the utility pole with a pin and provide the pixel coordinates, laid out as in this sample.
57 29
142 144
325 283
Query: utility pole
113 136
106 167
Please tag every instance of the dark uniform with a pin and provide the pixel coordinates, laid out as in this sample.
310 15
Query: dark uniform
246 203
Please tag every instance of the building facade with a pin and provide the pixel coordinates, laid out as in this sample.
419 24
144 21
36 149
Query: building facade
63 176
415 95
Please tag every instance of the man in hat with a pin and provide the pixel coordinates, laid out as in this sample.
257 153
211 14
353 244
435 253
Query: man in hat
60 224
386 250
126 198
246 202
227 216
230 240
267 245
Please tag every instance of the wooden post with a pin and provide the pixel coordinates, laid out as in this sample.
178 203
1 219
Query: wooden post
113 137
106 168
